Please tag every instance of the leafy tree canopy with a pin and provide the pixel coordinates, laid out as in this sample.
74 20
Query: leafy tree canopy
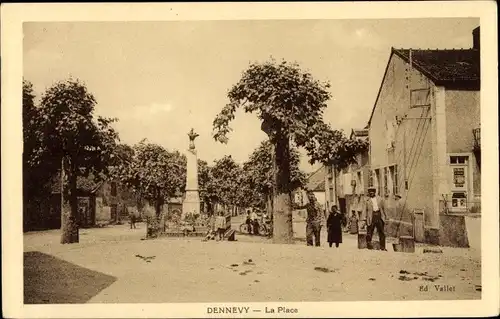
259 169
38 165
225 180
70 129
153 172
286 99
290 104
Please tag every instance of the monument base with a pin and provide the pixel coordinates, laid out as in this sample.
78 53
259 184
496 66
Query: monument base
191 203
190 208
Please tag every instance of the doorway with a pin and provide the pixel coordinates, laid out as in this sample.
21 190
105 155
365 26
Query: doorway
343 206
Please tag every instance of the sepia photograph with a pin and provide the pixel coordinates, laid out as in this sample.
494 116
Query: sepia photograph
252 165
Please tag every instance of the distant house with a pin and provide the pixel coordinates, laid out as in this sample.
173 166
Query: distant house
98 203
346 188
316 183
113 203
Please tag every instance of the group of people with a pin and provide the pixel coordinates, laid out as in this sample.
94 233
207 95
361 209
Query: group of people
374 212
253 223
217 227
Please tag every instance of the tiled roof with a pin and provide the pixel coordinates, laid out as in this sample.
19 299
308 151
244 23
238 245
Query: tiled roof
454 69
359 133
85 184
316 181
449 68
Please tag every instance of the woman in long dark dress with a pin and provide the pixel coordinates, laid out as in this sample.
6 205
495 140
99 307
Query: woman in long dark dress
334 227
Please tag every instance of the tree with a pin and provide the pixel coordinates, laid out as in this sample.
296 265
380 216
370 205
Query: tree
38 166
81 143
259 171
334 148
154 173
290 104
206 185
122 155
225 176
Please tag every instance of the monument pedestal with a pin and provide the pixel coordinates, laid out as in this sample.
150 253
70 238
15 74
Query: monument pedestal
191 203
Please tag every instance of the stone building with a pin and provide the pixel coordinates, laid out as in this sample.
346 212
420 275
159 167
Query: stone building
424 137
316 183
346 188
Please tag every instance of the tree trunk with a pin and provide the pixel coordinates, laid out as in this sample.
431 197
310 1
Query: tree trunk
269 204
158 203
117 213
282 208
69 215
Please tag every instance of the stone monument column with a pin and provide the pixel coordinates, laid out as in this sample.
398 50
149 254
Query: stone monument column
191 203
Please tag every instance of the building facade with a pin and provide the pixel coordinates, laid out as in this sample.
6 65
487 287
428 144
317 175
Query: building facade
316 184
424 137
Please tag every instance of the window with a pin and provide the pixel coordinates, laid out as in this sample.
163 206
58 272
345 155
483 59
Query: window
459 160
420 97
378 183
113 188
370 178
359 187
394 177
386 184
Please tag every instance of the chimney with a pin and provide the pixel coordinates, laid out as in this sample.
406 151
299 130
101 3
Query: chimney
475 39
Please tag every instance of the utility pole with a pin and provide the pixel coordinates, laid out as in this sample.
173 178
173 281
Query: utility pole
62 189
404 129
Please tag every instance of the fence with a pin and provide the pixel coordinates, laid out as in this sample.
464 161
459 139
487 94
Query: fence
472 207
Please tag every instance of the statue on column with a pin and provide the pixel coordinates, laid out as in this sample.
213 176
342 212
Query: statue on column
192 135
191 203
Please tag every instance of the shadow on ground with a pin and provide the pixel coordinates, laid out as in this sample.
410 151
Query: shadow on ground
50 280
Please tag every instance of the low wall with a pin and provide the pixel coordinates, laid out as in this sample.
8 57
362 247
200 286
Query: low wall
473 227
299 215
102 214
453 231
396 228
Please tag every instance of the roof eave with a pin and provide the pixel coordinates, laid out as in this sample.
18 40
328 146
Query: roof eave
461 85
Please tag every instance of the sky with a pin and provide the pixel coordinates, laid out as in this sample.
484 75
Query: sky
160 79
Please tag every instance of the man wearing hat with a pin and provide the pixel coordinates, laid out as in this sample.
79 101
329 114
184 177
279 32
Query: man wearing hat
313 219
375 217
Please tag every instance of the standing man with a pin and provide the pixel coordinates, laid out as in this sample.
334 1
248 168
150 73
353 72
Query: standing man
255 222
313 220
248 221
133 219
375 218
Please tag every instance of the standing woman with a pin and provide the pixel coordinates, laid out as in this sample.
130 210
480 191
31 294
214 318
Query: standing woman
334 227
